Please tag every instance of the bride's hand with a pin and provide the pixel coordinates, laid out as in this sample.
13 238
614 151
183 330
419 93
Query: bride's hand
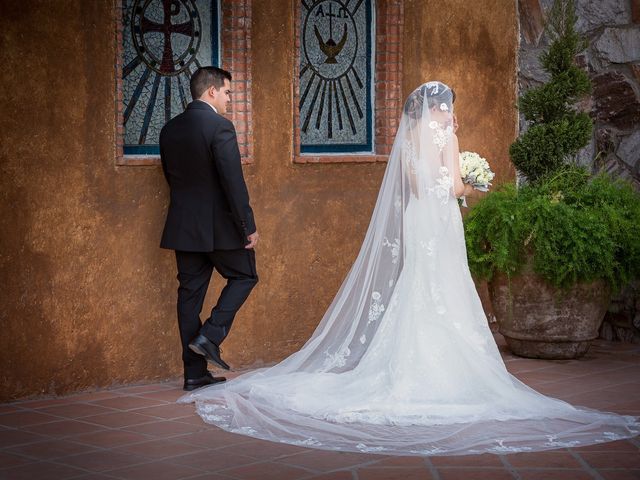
468 189
455 123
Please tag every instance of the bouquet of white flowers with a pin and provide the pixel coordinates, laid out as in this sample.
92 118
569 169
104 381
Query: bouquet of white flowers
475 171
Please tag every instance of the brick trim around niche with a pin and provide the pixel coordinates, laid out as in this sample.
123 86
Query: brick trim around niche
235 55
389 16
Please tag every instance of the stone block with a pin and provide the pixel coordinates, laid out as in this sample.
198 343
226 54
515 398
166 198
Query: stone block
531 72
629 150
531 20
635 11
618 45
615 101
586 155
635 68
593 15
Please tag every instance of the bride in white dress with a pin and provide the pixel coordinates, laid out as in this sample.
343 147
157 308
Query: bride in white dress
403 361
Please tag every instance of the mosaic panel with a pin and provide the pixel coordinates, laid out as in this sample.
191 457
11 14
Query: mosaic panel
336 76
164 42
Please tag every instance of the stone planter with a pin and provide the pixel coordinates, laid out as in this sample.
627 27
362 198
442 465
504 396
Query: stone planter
539 320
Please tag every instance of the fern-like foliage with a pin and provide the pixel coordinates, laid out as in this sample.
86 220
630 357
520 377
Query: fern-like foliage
577 228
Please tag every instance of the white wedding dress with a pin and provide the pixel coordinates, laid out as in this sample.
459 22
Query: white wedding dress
403 361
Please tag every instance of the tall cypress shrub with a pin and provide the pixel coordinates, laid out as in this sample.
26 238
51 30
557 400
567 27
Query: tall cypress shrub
557 131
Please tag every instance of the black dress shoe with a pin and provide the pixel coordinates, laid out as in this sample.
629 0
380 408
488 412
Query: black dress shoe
208 379
209 350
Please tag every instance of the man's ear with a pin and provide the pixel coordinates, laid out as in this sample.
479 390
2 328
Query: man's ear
213 91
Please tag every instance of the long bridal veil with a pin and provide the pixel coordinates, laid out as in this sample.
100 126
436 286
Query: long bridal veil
403 361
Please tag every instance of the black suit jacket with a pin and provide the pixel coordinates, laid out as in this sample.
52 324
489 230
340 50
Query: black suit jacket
209 207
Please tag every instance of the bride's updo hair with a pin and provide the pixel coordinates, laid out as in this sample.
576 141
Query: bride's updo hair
437 95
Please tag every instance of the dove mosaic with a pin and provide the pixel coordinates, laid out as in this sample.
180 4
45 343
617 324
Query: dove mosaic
336 75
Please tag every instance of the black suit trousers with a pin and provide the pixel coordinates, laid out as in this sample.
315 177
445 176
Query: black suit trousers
238 267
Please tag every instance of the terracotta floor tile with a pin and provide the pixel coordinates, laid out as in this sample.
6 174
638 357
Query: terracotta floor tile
12 437
618 446
620 474
44 402
210 461
539 377
452 473
8 460
333 476
213 438
193 419
568 389
40 471
102 460
169 396
611 459
50 449
25 418
165 428
169 411
521 365
110 438
553 459
137 389
93 476
128 402
155 471
397 473
599 400
267 471
323 460
550 474
159 449
618 376
75 410
263 450
401 462
95 396
8 408
486 460
64 428
119 419
211 476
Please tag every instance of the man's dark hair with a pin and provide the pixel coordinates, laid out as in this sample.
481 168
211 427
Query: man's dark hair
206 77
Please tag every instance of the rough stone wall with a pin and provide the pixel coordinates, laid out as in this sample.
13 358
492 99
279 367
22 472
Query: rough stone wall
612 59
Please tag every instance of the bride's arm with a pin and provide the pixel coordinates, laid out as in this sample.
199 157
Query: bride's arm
459 187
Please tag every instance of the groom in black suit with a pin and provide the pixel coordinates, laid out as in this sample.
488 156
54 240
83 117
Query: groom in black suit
209 222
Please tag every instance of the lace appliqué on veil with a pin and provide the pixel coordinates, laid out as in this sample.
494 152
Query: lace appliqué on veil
395 248
441 136
376 308
413 158
338 359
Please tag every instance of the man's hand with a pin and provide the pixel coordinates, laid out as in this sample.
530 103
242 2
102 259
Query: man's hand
253 240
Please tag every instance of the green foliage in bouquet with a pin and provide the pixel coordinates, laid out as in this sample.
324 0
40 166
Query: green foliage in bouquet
578 228
556 130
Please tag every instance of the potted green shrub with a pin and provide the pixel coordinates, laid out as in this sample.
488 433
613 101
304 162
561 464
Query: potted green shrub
554 248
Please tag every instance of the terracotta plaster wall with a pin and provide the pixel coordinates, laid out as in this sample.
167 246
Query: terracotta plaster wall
88 298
